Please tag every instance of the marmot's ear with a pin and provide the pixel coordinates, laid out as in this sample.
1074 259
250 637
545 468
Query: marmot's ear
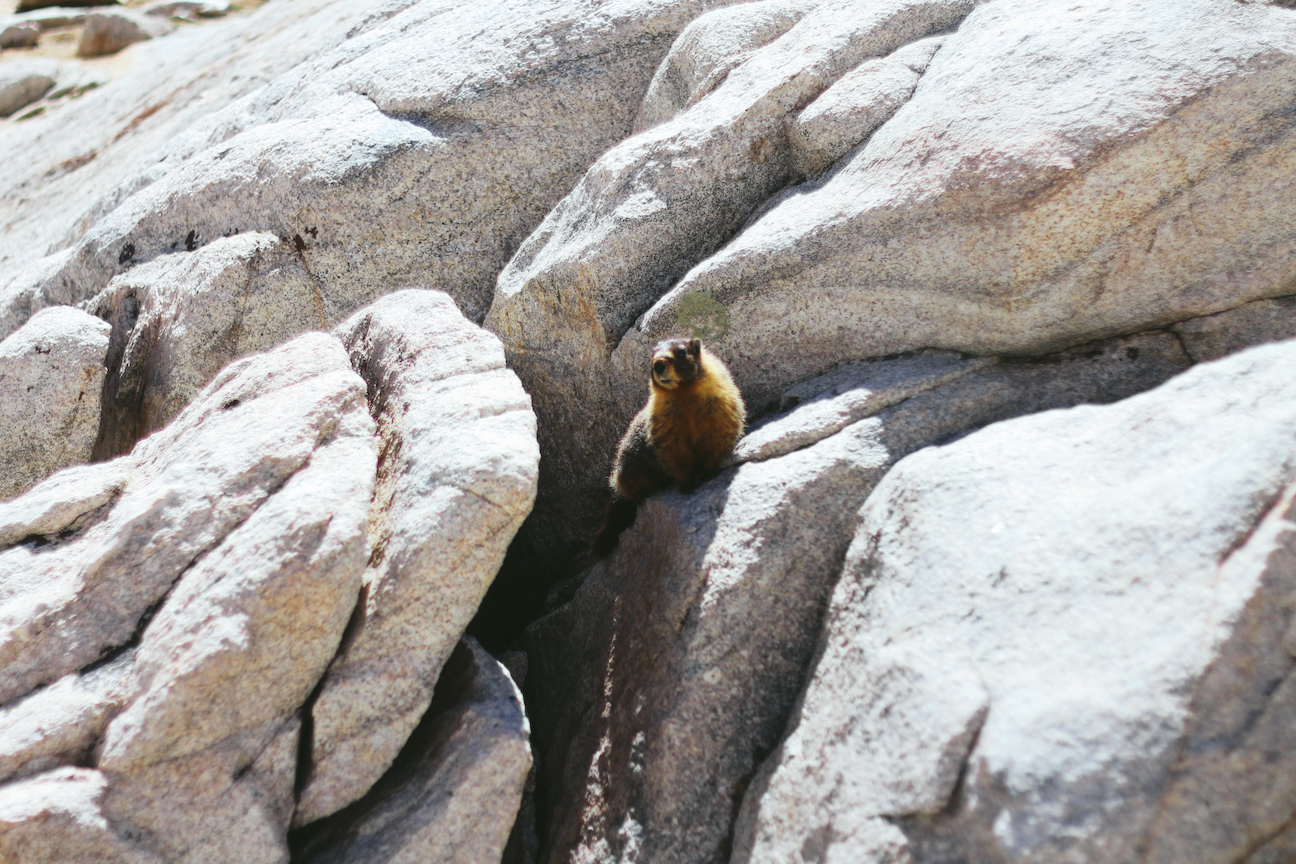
695 347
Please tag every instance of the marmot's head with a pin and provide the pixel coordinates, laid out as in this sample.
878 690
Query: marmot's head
676 362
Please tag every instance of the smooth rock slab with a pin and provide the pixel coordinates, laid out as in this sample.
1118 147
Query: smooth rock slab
109 31
657 690
1086 614
458 475
51 375
454 794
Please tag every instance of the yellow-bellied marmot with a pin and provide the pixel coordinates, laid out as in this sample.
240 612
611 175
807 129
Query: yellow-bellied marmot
693 418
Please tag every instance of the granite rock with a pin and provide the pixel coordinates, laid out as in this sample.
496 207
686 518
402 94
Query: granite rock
1084 615
51 375
455 792
656 691
110 30
24 81
457 476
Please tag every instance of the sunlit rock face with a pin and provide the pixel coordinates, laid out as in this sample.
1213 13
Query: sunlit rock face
320 322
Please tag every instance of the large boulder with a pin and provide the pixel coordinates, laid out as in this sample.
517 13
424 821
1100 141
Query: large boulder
240 622
51 374
23 82
1037 190
658 689
1062 638
659 202
1034 190
457 476
455 793
229 548
385 145
108 31
177 320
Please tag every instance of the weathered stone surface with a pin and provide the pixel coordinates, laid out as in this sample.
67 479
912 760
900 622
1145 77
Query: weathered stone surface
261 421
22 34
60 724
180 318
110 30
57 817
1214 336
458 475
1037 190
454 794
51 373
234 652
645 213
24 81
656 691
709 49
1084 614
859 102
248 516
335 127
56 503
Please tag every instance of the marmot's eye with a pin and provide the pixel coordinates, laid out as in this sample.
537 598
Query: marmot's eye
679 352
659 368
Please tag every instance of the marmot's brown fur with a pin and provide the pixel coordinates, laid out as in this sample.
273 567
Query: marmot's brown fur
693 418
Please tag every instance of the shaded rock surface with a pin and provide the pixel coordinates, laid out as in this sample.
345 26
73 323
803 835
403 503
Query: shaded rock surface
51 373
1214 336
660 686
457 476
455 792
29 5
1082 614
